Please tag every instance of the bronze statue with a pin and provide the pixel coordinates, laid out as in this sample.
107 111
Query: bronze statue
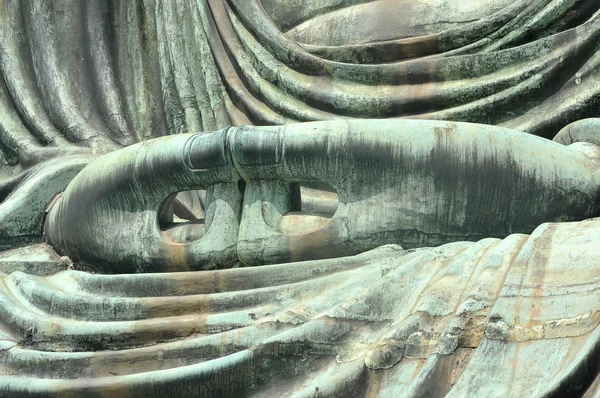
310 198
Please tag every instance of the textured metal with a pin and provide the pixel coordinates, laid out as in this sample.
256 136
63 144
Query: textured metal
494 318
510 315
412 183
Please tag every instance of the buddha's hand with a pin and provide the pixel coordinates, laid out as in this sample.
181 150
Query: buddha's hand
110 215
407 182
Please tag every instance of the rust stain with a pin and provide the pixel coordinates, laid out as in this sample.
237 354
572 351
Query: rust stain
323 243
176 257
173 306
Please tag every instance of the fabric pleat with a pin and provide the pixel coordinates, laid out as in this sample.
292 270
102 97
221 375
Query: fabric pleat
100 75
86 78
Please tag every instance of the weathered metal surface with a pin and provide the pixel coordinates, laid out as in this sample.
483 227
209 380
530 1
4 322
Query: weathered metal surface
90 77
22 210
501 318
39 259
511 317
413 183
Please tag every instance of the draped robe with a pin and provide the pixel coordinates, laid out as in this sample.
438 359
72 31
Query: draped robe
79 79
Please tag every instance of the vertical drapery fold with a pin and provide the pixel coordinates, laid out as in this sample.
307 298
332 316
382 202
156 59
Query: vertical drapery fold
93 77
